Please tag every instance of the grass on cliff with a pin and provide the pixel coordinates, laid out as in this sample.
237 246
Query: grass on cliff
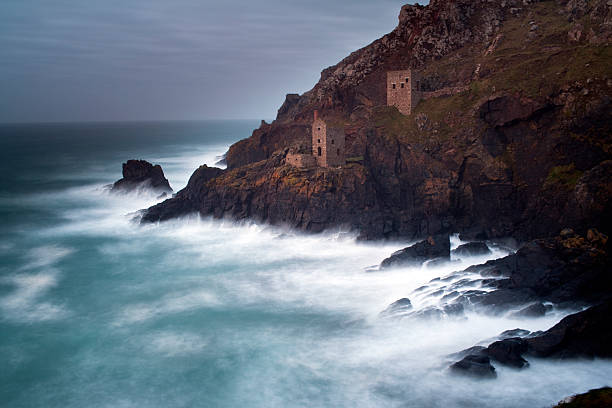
564 176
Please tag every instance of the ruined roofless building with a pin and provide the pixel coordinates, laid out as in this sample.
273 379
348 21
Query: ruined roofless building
327 143
403 90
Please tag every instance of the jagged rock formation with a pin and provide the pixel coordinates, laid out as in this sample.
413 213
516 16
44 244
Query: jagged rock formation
433 248
586 334
142 174
514 140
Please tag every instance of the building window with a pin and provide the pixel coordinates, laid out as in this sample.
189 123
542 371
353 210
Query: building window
407 80
402 85
332 141
393 86
318 140
319 151
318 128
338 152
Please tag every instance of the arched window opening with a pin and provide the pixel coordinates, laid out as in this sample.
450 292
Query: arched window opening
319 150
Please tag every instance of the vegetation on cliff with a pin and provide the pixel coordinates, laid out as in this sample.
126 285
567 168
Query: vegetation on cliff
512 138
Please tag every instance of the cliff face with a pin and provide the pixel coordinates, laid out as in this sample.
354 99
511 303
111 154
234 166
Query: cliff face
513 138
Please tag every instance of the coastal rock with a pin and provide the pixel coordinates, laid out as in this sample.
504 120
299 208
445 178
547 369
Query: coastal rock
472 249
398 308
142 174
584 334
184 201
475 365
500 153
568 269
534 310
596 398
434 247
508 352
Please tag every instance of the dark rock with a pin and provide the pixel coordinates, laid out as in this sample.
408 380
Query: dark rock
472 249
508 352
475 350
142 174
185 200
455 309
437 247
533 310
514 333
597 398
475 365
584 334
559 270
399 307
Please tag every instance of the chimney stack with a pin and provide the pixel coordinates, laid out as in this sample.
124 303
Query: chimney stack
316 114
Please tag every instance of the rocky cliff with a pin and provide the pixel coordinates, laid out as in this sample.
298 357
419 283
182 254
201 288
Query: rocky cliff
513 137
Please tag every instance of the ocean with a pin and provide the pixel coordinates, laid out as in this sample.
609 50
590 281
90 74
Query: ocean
99 311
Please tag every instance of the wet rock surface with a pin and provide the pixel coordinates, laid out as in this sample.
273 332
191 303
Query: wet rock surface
472 249
586 334
142 174
474 365
433 248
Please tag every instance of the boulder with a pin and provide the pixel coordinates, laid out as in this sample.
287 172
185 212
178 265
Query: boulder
584 334
508 352
472 249
399 307
434 247
475 365
533 310
139 174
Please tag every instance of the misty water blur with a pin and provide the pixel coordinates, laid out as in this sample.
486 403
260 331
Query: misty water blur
98 311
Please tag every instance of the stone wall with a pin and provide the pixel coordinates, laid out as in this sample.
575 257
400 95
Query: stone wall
300 160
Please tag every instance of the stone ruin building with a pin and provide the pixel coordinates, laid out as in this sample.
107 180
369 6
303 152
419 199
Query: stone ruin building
403 90
327 146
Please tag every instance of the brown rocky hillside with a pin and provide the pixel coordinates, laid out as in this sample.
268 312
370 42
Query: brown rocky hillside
514 138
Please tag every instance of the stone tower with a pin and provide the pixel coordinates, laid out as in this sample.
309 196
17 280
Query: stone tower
327 143
403 90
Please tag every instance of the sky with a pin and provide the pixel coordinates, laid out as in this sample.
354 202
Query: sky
121 60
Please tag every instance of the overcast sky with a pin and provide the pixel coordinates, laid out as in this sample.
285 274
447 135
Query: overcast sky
99 60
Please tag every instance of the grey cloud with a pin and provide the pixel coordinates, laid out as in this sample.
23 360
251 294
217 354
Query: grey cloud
72 60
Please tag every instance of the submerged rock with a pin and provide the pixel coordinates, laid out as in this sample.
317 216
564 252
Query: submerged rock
398 308
533 310
508 352
472 249
142 174
435 247
584 334
476 365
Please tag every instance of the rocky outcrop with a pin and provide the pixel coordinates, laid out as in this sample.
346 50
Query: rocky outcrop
568 269
142 174
510 155
433 248
184 202
475 365
597 398
586 334
472 249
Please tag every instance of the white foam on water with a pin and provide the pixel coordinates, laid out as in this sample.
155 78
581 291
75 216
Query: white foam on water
24 303
172 344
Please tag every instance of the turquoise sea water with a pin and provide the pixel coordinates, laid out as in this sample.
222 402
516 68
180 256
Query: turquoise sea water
98 311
